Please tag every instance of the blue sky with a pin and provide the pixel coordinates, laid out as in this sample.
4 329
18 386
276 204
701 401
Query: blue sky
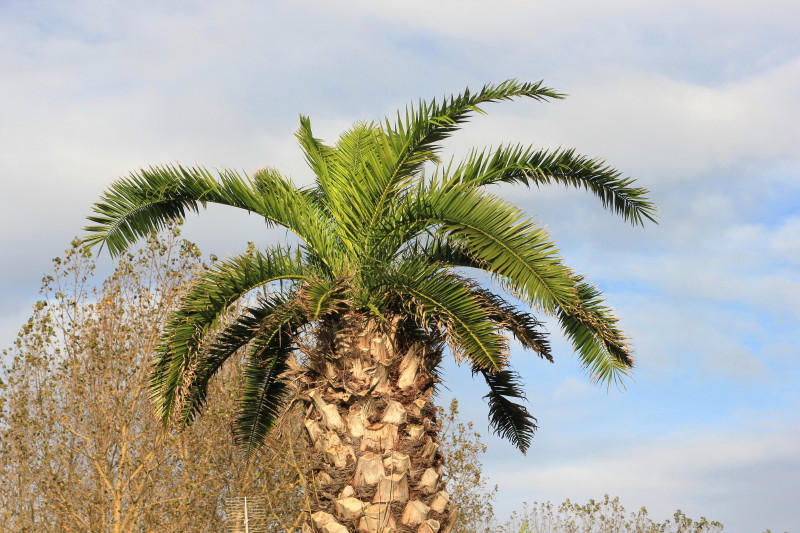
697 100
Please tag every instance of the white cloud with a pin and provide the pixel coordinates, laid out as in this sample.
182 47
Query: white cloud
514 20
572 388
781 243
651 125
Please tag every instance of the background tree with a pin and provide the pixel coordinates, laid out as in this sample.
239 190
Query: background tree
372 295
79 448
472 496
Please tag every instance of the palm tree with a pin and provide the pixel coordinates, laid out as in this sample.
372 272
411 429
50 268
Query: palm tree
352 323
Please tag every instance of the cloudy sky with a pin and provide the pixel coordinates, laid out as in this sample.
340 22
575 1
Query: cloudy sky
698 100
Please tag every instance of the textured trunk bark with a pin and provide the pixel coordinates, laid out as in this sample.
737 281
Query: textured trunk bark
370 417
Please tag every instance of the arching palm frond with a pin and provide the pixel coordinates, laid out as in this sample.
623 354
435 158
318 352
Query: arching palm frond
353 182
451 301
147 200
508 419
144 202
592 328
321 297
300 211
479 231
263 393
416 137
529 166
200 309
511 246
522 325
265 326
264 321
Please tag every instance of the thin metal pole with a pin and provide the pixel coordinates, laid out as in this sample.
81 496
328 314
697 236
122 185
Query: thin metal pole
246 520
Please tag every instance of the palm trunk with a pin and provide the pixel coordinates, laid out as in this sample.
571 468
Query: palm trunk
370 417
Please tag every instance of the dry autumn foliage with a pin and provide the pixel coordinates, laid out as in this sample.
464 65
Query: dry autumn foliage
80 448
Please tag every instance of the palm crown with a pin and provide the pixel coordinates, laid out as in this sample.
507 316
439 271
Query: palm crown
381 239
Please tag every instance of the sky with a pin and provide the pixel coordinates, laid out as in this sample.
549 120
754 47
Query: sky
697 100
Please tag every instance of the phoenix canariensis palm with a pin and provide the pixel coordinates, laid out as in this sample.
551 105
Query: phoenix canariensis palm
373 295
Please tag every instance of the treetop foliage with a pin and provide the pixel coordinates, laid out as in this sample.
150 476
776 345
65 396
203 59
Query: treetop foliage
380 238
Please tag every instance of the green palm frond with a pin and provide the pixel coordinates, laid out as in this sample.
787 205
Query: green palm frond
263 393
592 329
508 419
318 155
200 309
354 182
147 200
319 297
302 212
415 139
522 325
497 234
432 295
264 321
529 166
443 252
417 135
